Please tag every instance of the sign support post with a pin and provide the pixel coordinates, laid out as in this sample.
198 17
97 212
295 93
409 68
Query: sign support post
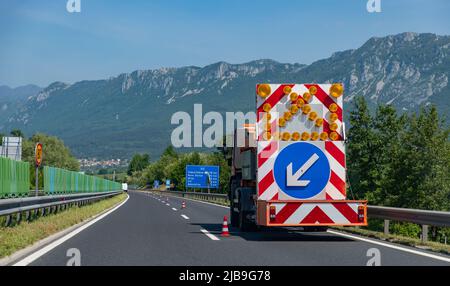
38 162
36 181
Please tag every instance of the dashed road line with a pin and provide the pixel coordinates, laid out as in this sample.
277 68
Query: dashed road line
174 209
184 216
211 236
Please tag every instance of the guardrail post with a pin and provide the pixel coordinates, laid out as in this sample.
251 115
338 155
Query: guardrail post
386 226
424 233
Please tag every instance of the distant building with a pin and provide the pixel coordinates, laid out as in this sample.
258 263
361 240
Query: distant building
11 148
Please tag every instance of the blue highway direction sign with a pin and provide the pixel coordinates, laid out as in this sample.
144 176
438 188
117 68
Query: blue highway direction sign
202 177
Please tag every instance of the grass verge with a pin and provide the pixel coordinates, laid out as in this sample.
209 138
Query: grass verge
24 234
429 245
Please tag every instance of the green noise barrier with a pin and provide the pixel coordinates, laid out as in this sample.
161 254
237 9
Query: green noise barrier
14 178
59 181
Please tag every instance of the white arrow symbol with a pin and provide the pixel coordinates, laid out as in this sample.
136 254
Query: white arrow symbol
293 179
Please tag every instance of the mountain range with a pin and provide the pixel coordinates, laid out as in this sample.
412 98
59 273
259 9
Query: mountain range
129 113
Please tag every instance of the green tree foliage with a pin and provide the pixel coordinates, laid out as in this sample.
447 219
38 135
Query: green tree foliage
400 161
55 154
138 163
17 133
172 166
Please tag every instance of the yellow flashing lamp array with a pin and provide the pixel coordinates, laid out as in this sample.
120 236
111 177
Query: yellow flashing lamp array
323 136
333 117
267 136
294 96
333 126
319 122
301 103
264 90
294 109
312 116
287 116
305 136
306 109
313 90
287 90
333 107
336 90
334 136
286 136
307 96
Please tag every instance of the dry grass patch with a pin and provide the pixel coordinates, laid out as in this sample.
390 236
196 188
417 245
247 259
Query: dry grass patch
24 234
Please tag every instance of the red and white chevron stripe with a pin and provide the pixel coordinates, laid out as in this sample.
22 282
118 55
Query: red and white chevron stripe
316 213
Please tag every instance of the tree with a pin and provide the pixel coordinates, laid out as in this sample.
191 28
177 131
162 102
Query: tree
17 133
360 152
55 154
423 166
138 163
387 128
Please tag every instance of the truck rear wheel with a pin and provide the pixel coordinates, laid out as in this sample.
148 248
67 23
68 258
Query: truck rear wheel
234 218
244 223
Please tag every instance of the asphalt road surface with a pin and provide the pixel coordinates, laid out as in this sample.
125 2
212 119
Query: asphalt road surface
148 230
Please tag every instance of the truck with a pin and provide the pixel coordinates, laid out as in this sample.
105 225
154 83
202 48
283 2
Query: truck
125 187
288 169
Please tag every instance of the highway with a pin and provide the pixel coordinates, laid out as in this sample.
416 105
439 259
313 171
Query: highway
148 230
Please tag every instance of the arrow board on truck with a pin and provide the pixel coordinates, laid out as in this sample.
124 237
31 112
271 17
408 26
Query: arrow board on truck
300 135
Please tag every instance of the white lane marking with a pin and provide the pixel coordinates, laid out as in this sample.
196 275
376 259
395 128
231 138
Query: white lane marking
184 216
216 205
32 257
168 205
212 236
174 209
392 246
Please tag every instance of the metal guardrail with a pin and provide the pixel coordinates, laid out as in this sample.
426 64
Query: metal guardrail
9 207
210 197
424 218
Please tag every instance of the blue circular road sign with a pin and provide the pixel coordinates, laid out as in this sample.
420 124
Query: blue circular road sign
301 170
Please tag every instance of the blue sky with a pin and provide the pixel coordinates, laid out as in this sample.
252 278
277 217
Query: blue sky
40 42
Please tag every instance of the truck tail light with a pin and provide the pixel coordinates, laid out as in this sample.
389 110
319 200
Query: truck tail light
272 212
361 212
